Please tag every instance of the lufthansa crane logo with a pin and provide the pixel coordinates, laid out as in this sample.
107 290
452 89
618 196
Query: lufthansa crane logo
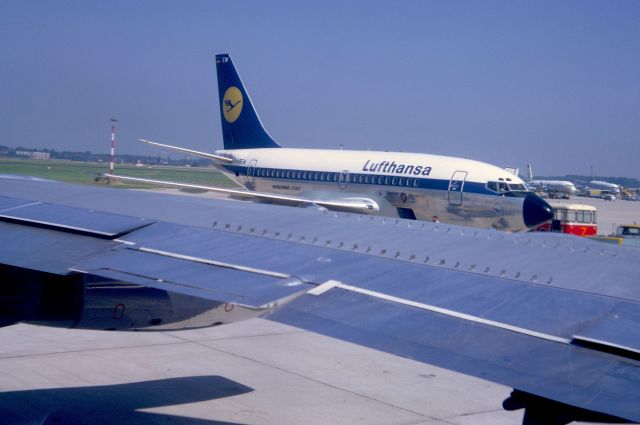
232 104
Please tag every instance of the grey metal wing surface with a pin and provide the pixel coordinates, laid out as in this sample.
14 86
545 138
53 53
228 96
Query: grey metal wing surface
550 315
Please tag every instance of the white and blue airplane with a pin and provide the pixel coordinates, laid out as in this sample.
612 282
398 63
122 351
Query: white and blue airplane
407 185
554 188
602 185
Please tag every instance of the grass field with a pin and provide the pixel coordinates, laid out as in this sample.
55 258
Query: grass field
86 172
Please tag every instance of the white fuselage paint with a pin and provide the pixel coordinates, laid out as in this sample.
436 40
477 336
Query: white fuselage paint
452 189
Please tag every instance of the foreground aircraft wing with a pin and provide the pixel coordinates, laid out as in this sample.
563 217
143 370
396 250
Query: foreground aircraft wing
348 204
553 316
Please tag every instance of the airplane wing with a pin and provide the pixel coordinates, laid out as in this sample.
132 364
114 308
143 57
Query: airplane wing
554 316
347 204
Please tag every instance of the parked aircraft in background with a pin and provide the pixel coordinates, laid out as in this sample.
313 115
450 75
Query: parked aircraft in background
406 185
554 188
602 185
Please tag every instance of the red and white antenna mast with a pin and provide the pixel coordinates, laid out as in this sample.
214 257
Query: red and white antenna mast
113 145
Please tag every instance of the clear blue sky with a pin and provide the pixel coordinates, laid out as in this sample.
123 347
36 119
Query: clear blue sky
556 83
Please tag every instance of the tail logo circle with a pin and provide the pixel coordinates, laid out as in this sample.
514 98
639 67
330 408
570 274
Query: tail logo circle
232 104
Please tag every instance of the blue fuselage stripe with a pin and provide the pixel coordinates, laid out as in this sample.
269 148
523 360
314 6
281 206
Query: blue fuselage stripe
358 179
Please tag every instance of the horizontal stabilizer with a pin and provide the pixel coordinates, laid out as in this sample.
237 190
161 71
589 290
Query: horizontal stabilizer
191 151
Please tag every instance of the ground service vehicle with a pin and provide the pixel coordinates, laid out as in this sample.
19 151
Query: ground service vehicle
576 219
629 233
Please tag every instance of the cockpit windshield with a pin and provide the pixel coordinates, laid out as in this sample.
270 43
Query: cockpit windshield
502 187
517 187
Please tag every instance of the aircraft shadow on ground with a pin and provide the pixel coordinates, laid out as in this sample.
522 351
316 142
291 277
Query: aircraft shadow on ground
111 404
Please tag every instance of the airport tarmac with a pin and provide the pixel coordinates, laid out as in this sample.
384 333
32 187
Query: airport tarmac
253 372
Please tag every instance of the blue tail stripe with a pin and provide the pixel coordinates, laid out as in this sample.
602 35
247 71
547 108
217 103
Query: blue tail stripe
241 127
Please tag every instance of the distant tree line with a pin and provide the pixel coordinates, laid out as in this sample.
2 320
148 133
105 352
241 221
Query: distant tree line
86 156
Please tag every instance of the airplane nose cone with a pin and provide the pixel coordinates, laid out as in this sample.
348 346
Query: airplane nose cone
535 210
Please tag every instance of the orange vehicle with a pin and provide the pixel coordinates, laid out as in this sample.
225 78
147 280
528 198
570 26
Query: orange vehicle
576 219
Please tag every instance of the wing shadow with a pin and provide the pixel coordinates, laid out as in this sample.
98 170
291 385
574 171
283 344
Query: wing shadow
116 404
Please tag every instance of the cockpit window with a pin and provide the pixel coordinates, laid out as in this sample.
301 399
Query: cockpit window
517 187
502 187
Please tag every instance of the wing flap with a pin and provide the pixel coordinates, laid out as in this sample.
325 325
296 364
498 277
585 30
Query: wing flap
553 369
213 281
619 332
68 218
47 250
7 204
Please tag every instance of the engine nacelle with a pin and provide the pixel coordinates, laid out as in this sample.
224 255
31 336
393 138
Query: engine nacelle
88 302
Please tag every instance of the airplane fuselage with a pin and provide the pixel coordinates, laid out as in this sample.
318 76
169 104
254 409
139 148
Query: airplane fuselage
408 185
558 186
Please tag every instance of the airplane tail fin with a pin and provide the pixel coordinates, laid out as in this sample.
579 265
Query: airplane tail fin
241 127
530 172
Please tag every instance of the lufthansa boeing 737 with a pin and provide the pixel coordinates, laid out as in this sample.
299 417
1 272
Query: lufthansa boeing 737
407 185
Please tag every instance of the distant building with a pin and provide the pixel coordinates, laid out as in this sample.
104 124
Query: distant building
34 155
